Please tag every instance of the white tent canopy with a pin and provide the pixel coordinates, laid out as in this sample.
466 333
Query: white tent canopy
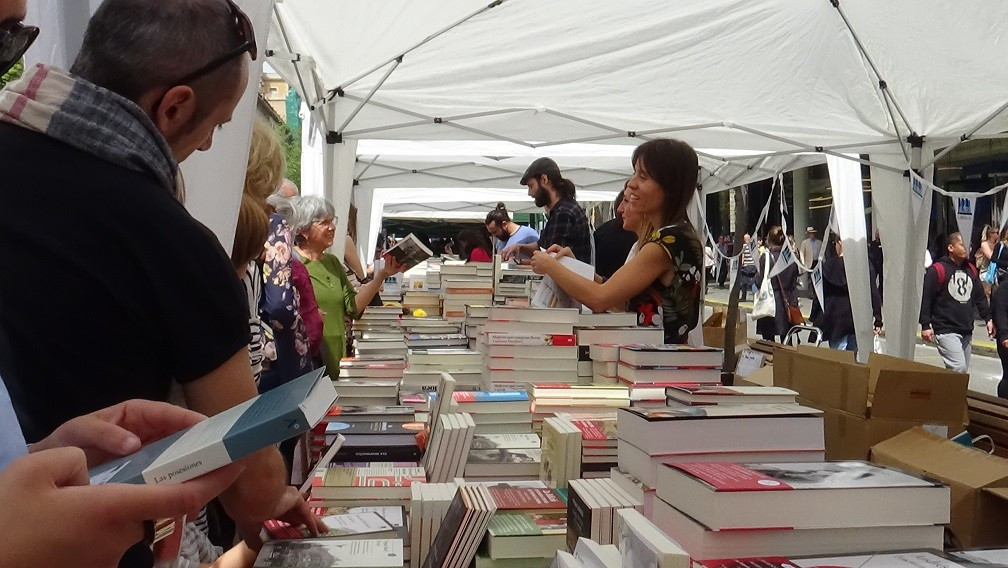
841 78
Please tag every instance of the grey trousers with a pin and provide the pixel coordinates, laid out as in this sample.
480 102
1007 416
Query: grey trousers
955 350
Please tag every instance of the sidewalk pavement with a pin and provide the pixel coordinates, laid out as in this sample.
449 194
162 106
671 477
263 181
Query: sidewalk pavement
982 345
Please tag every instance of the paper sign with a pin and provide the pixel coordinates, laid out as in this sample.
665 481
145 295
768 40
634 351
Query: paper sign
818 284
786 259
965 210
749 361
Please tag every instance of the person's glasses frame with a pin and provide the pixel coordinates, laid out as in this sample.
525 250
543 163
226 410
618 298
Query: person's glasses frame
244 31
15 39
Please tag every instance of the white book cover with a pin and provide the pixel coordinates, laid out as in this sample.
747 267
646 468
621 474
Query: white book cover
357 523
594 555
551 295
272 417
644 545
326 553
409 252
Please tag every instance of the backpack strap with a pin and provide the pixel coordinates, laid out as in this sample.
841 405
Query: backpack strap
939 269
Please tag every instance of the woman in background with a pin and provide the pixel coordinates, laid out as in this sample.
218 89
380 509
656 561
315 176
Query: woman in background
314 229
784 288
473 246
837 319
662 282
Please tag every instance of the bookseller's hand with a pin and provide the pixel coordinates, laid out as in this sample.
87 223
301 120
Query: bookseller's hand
119 430
52 516
291 509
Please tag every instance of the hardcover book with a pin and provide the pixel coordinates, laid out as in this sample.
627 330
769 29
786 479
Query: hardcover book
272 417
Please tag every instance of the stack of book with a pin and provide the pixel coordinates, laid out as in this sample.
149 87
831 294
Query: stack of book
367 392
591 507
427 300
640 544
366 484
549 399
376 441
507 412
606 335
448 446
598 446
605 363
375 368
433 276
649 369
535 329
437 341
561 452
380 316
515 281
730 510
476 317
460 290
594 324
424 368
528 528
382 345
428 506
341 415
392 289
650 437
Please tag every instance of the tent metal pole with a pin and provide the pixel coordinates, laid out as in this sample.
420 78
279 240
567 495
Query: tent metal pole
287 43
864 53
417 45
390 107
816 149
679 128
370 94
969 135
487 134
367 167
855 145
387 127
580 140
485 113
585 121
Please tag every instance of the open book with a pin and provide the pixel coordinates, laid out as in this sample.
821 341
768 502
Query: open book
551 295
409 252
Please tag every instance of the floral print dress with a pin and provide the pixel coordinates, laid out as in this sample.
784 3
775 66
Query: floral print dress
673 301
279 307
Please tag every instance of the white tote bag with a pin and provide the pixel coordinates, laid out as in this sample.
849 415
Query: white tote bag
765 305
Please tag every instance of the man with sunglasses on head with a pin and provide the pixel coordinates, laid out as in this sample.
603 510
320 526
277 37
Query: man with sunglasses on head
113 291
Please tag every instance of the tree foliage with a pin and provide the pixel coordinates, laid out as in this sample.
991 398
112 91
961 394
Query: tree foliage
14 73
291 141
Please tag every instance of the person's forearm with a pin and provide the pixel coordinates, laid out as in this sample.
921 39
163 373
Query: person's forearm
367 292
254 496
588 292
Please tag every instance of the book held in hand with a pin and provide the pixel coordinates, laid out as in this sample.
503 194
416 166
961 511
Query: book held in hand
409 252
270 418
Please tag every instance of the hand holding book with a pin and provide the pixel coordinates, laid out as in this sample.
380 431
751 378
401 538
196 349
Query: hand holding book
119 430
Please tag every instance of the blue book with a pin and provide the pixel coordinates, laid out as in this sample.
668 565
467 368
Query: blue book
463 397
270 418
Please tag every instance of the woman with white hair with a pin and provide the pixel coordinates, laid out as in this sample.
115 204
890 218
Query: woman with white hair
313 225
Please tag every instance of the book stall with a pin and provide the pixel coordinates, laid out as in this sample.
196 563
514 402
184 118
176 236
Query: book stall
497 434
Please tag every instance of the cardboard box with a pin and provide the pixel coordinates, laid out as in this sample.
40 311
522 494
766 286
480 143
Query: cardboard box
865 404
762 377
714 330
979 482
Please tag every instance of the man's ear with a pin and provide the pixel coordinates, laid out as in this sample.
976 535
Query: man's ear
176 109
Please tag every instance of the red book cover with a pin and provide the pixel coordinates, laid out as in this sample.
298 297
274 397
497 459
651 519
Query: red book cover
556 340
596 430
771 562
731 477
511 498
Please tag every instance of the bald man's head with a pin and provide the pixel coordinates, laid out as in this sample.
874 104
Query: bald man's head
288 189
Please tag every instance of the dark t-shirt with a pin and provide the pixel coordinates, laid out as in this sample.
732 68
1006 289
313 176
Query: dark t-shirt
110 289
612 245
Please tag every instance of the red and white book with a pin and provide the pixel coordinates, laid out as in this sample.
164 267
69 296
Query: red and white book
845 494
554 339
654 375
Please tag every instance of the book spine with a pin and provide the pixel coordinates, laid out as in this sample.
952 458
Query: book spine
578 518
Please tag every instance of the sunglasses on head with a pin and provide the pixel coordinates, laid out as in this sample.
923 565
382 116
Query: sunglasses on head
15 39
244 32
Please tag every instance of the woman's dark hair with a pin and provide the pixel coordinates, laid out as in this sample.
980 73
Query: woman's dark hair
469 240
564 187
674 165
499 215
775 237
831 246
